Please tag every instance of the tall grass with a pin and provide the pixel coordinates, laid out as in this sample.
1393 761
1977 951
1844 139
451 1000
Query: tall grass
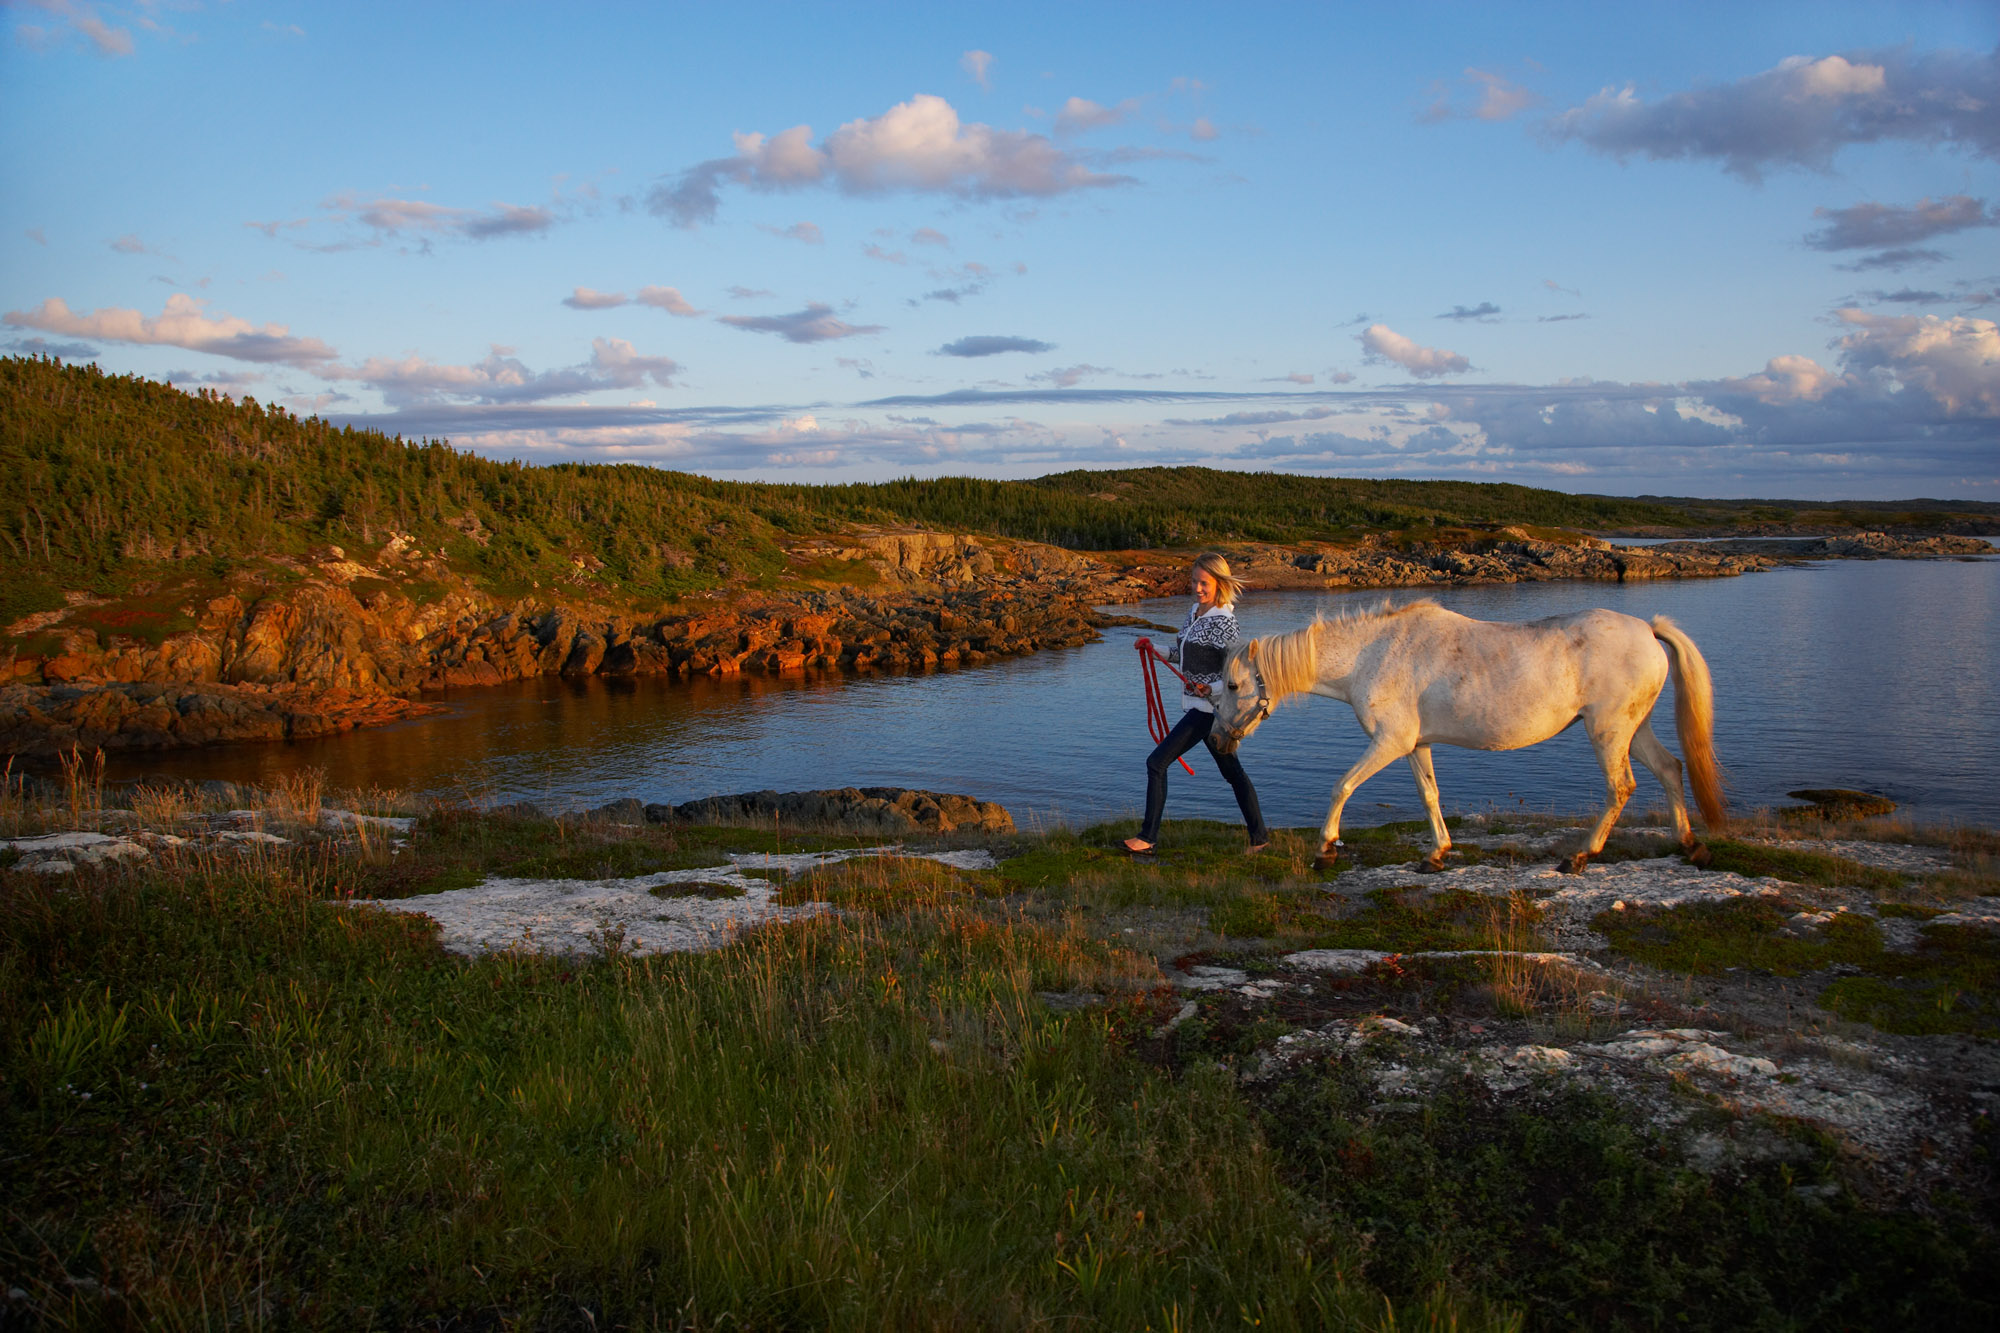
861 1120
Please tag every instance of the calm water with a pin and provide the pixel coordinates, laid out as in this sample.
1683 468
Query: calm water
1873 674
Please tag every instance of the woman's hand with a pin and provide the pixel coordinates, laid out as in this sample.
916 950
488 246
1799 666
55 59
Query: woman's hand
1200 688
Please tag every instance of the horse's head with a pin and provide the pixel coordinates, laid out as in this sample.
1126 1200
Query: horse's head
1243 701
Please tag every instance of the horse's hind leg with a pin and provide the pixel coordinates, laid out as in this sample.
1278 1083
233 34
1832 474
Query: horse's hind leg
1373 760
1667 769
1427 783
1614 754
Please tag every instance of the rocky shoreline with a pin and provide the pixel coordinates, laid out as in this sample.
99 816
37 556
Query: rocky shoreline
343 643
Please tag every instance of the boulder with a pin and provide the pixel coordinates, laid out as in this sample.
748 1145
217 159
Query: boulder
887 810
1837 803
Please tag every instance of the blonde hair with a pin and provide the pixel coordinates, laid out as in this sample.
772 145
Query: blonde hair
1227 585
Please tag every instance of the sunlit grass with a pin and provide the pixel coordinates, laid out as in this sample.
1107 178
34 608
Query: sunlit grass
951 1100
866 1119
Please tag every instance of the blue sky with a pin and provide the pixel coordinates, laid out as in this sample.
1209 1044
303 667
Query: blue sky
1681 249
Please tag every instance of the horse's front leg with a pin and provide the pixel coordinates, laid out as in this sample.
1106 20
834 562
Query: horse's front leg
1380 753
1427 783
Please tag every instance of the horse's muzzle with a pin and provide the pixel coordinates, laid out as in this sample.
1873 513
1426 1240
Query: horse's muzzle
1225 742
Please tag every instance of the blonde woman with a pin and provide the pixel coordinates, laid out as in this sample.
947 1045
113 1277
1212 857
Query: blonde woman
1205 637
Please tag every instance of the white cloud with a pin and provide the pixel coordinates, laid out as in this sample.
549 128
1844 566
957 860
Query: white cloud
182 323
1482 95
1070 375
1894 261
83 20
815 323
918 145
992 344
1874 226
1787 379
583 298
807 232
979 64
1802 111
1382 343
1955 361
501 378
668 299
1080 114
929 236
395 217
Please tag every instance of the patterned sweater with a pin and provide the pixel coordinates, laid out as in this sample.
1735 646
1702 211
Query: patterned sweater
1203 644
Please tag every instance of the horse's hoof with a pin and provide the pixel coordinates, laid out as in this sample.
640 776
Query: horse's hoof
1573 865
1699 856
1327 860
1432 864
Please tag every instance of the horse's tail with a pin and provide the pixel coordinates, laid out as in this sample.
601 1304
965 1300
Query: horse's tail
1694 719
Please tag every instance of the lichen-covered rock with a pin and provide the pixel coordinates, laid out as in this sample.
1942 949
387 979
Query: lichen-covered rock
858 809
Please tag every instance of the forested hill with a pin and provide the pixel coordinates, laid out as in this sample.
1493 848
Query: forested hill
106 473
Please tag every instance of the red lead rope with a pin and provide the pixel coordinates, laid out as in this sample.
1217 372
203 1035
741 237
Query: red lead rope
1156 711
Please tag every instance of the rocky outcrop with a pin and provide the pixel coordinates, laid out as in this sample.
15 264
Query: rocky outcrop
1514 557
852 809
1852 546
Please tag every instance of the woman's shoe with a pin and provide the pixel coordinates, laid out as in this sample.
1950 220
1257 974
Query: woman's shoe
1138 847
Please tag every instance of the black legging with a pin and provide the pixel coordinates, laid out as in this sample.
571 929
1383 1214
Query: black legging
1195 726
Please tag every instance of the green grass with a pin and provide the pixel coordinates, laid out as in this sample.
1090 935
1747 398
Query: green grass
1396 920
229 1099
1708 937
1950 984
237 1103
1553 1201
457 848
1756 860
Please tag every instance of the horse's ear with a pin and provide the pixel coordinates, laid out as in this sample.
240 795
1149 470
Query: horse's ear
1250 650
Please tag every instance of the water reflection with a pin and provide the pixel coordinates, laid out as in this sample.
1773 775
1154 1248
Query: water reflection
1865 674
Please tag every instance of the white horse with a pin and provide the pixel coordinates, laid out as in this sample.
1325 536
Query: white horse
1420 675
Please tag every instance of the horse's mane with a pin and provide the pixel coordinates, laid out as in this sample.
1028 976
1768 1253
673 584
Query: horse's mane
1290 662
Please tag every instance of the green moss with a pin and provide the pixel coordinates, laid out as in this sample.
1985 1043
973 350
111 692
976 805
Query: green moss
1951 984
1755 860
1710 937
1913 911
